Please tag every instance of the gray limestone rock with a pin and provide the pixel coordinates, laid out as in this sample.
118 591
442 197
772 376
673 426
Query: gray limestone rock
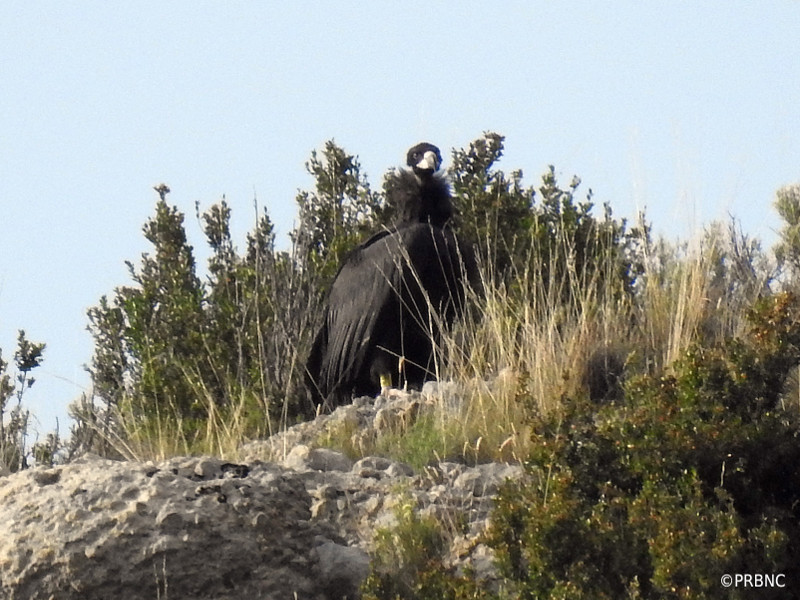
103 529
291 518
341 569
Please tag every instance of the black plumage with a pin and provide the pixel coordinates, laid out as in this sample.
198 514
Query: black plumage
393 293
420 195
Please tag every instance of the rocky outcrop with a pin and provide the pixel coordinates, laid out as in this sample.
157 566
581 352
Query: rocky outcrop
300 524
196 528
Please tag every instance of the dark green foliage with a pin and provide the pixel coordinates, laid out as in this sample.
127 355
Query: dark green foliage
238 305
494 211
164 315
514 230
338 215
695 475
14 452
27 357
787 251
171 346
110 362
578 251
171 341
408 564
153 332
260 306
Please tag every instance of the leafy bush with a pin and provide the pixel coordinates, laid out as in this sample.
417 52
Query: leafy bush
787 250
14 451
493 210
337 215
694 476
408 563
545 237
183 365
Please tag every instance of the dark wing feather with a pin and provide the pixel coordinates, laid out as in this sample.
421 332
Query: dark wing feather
378 308
361 297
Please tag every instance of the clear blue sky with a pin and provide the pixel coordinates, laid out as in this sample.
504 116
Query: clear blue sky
690 109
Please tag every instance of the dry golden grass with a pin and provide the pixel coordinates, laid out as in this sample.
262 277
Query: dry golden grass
525 352
221 432
516 353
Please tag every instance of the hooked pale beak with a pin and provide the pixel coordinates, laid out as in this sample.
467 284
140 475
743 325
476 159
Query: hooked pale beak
429 162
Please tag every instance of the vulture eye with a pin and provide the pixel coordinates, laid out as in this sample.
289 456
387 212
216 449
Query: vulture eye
424 159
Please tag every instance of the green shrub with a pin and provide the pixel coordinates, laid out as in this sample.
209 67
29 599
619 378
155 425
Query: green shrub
14 451
183 364
408 563
695 475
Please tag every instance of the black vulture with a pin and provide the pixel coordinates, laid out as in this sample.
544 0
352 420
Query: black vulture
393 293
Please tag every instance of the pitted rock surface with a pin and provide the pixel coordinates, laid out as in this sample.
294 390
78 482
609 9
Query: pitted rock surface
301 525
199 528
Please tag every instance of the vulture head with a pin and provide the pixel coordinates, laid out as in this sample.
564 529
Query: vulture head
424 160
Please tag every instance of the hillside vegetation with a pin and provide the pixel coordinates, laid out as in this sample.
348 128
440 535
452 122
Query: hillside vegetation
650 387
